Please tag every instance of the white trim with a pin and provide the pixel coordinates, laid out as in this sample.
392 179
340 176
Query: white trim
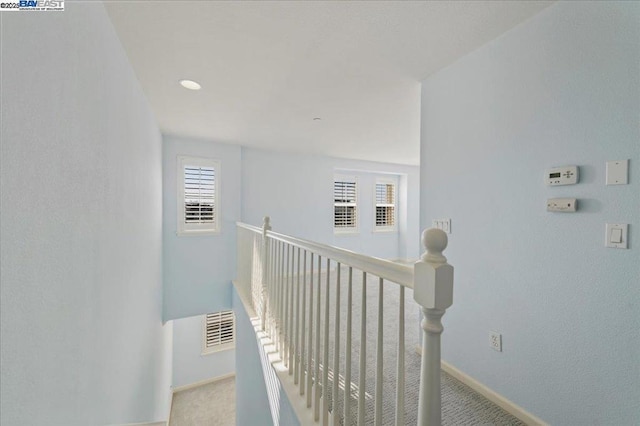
203 382
170 406
395 272
161 423
493 396
182 230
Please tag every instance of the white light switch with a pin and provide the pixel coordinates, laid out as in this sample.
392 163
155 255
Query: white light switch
616 235
617 172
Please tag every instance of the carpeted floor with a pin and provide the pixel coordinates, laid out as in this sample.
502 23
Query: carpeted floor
213 404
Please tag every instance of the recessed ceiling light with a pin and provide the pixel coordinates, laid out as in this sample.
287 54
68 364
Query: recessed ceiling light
190 84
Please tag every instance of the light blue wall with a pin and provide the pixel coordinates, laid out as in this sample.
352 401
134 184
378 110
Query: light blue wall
189 364
81 276
198 269
562 88
260 398
296 191
252 403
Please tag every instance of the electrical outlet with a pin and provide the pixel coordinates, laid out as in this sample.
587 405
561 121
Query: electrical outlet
495 341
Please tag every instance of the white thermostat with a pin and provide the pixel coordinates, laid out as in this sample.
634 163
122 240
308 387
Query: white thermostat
567 175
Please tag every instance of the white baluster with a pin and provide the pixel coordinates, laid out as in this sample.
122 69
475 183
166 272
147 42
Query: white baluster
266 226
281 303
400 365
378 409
316 376
347 348
310 345
363 351
336 352
296 341
291 349
272 301
276 278
433 290
325 356
304 369
287 330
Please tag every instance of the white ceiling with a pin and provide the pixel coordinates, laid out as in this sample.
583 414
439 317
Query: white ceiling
268 68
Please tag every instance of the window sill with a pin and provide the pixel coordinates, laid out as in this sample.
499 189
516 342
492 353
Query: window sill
346 233
218 349
382 230
197 233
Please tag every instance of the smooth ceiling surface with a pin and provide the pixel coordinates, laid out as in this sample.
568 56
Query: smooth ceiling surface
268 69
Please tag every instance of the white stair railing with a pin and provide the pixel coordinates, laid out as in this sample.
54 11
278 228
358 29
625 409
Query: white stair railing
303 290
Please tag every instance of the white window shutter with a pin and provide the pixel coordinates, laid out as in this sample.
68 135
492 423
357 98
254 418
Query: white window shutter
198 195
386 211
219 331
345 204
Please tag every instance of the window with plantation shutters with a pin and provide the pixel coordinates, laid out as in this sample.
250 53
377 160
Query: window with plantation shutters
198 188
219 332
345 204
385 199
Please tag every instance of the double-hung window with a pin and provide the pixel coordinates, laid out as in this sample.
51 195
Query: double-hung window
198 196
345 204
386 207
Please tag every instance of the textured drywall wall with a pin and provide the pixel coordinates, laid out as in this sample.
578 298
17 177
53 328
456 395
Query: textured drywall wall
562 88
198 269
81 194
189 364
252 401
296 191
260 397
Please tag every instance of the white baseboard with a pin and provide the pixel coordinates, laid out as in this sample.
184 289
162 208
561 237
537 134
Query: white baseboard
493 396
203 382
145 424
170 407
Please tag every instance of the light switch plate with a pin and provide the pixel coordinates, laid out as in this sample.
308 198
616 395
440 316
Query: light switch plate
618 172
614 230
444 224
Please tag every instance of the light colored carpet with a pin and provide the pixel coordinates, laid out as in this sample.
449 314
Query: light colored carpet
213 404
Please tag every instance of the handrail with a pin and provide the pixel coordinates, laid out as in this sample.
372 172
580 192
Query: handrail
394 272
277 280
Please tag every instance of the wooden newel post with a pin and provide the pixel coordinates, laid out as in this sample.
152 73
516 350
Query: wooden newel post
433 290
266 226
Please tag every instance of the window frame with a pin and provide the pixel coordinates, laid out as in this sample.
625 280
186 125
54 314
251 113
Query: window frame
192 229
352 229
208 350
385 228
